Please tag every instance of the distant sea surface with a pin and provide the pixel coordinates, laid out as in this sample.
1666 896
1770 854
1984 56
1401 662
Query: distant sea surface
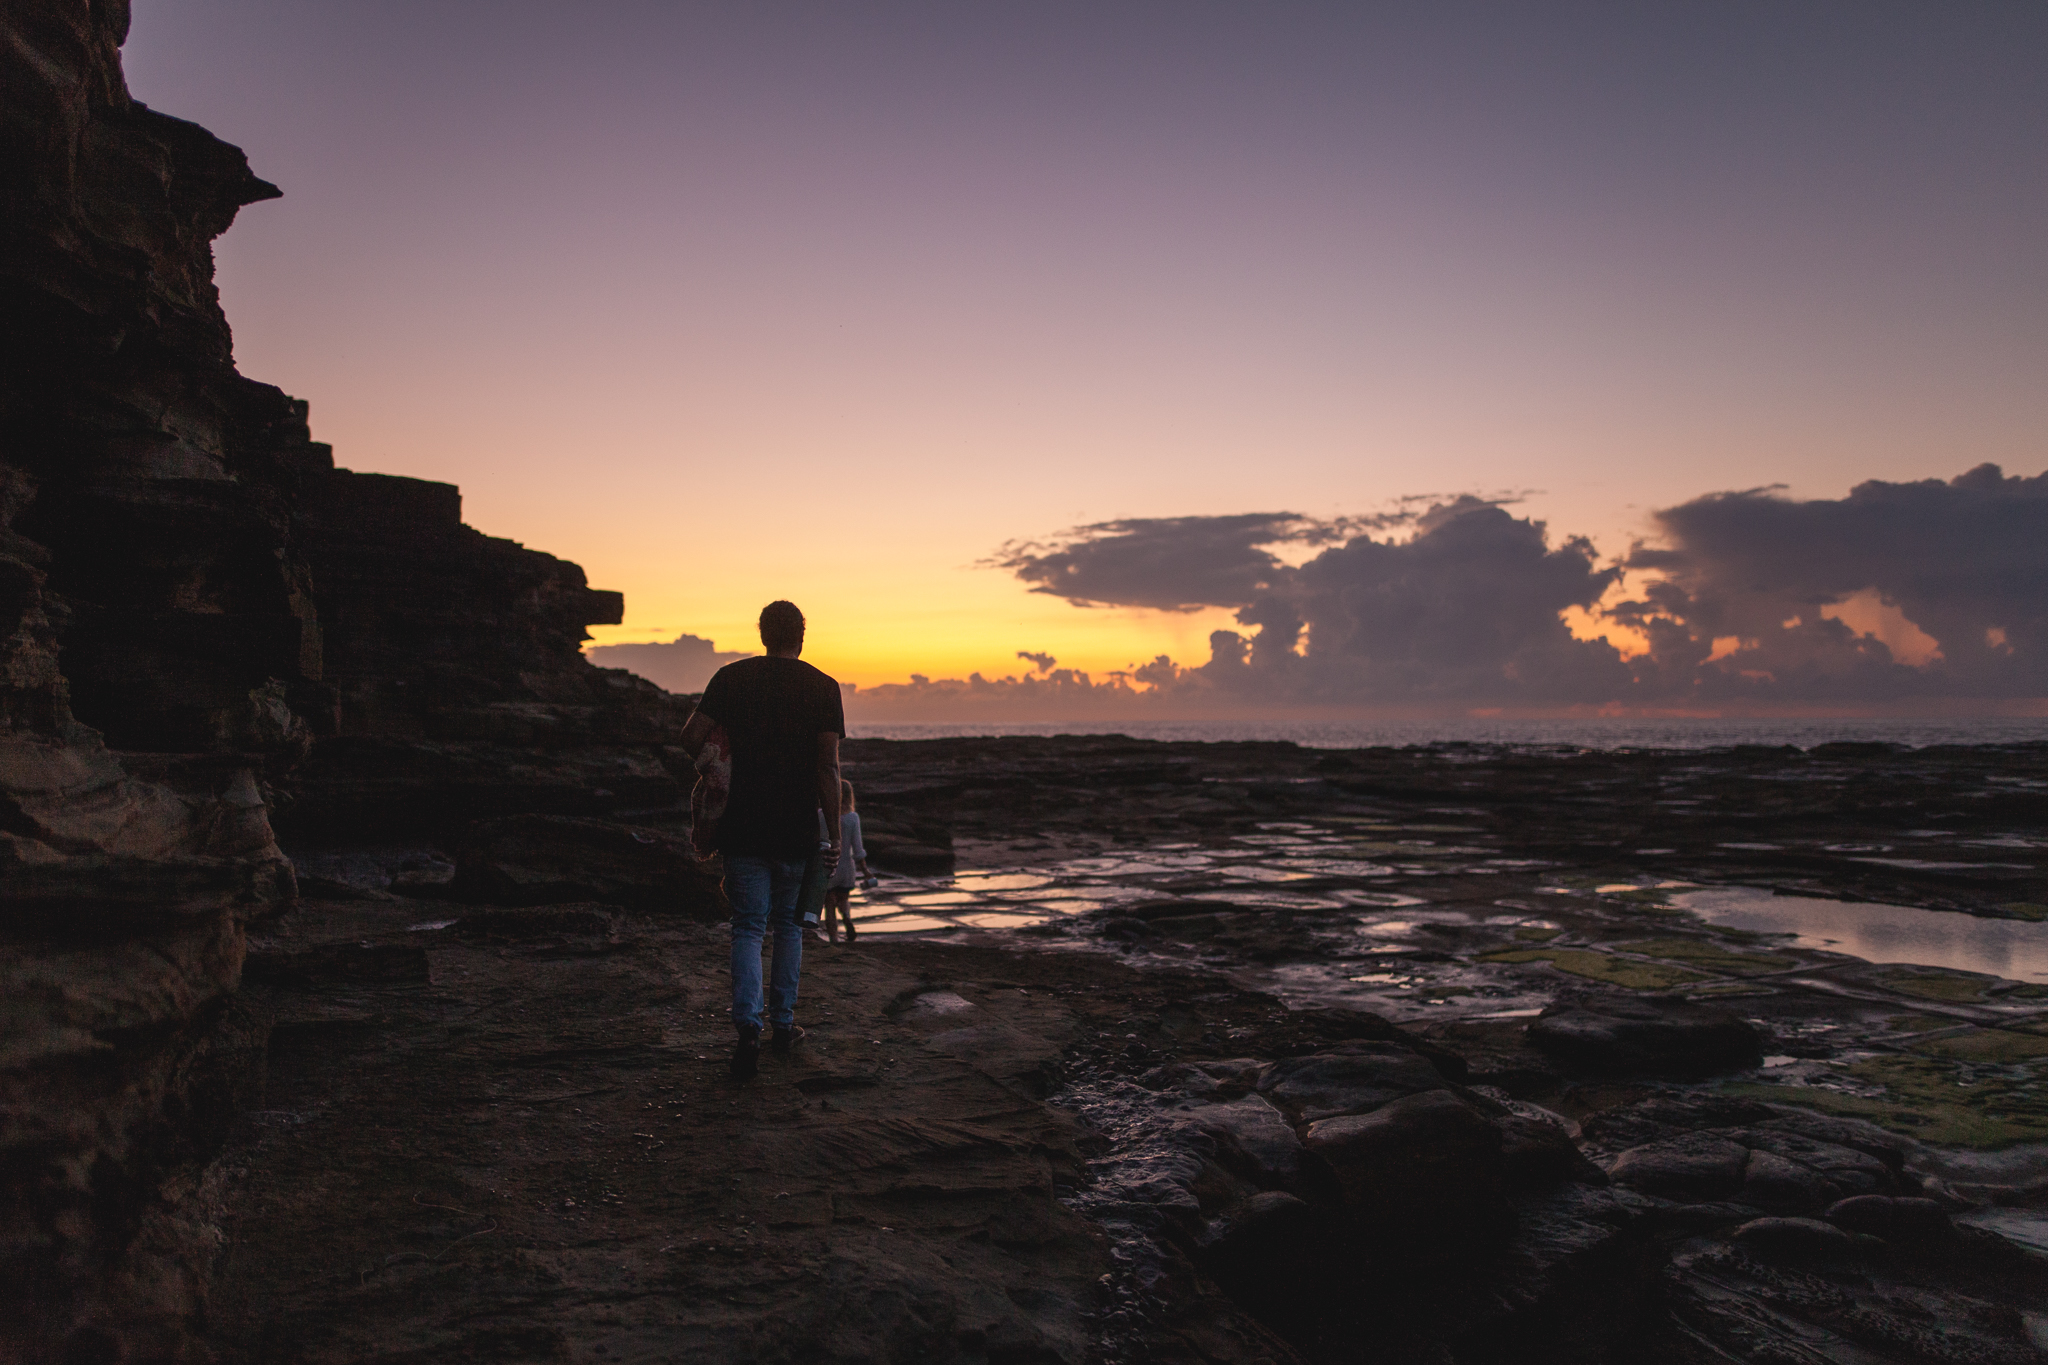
1572 734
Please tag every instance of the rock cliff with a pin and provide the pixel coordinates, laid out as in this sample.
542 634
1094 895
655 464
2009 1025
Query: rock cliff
202 623
454 686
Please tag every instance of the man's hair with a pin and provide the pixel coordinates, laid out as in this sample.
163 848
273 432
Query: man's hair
782 625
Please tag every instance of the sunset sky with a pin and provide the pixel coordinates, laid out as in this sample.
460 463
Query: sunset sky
833 301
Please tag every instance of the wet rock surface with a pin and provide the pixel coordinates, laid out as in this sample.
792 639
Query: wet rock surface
1548 965
1653 1081
992 1150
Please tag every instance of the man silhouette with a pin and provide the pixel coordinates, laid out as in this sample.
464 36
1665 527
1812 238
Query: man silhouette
783 720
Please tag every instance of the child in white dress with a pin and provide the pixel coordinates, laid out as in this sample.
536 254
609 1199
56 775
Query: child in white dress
852 869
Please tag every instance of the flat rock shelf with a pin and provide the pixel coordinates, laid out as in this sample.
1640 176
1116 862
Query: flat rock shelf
1197 1053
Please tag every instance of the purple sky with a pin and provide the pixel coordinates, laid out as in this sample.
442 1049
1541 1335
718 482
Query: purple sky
831 301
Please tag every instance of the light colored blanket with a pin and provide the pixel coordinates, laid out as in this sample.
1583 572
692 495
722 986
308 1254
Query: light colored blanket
714 786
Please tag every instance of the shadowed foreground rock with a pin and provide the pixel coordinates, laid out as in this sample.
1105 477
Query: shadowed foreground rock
142 533
554 859
1646 1037
566 1173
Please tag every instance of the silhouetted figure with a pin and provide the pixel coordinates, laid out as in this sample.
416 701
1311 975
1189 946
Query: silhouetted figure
783 721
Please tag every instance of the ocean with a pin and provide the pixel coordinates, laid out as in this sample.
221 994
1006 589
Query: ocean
1592 733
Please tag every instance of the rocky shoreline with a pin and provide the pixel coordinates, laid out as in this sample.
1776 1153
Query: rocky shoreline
1113 1122
1082 1132
363 1001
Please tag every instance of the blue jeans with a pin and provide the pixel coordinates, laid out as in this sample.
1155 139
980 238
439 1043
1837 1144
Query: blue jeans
764 891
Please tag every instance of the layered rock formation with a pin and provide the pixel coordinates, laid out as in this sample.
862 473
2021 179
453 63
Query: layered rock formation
455 686
150 601
192 601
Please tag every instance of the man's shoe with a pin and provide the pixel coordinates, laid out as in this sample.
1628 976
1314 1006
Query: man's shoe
786 1038
746 1055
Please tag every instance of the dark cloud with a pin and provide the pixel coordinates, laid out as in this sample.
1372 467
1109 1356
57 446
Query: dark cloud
1168 563
1466 608
1800 593
1899 593
1042 662
683 664
1183 563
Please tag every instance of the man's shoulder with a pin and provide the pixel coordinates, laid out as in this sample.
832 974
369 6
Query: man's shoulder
765 675
722 683
825 688
763 667
824 700
740 668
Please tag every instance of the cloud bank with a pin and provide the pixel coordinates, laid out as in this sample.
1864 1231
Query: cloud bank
1900 594
683 664
1900 590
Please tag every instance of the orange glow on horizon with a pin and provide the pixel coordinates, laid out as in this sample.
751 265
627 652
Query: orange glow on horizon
960 623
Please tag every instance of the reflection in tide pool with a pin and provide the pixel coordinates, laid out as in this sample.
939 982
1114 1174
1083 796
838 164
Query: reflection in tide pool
997 919
904 924
2013 949
1002 881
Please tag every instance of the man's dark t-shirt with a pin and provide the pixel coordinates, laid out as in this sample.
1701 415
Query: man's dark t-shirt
773 711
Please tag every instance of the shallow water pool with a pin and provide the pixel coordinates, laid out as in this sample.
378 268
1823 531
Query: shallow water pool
2014 949
1002 881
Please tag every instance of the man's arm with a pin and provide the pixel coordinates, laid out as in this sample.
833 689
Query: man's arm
696 732
828 792
714 702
